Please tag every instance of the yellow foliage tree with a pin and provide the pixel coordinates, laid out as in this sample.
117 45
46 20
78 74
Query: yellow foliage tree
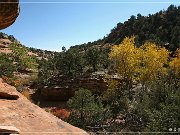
175 63
152 62
125 57
142 64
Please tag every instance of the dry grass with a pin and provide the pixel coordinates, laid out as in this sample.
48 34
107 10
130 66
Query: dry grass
26 94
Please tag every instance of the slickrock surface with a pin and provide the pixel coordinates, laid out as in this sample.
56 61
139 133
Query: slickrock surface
29 118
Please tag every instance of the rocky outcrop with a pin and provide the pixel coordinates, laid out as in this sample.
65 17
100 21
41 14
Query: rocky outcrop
4 45
7 93
65 88
65 93
9 10
21 114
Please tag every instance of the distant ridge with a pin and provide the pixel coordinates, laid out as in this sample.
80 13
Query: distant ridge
163 28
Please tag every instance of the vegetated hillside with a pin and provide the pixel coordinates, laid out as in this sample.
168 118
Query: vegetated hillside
141 78
162 28
17 56
133 86
7 40
18 65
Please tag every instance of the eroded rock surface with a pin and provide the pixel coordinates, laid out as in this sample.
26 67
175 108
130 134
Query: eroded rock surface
29 118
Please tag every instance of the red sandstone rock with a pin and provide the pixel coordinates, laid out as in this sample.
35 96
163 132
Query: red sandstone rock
29 118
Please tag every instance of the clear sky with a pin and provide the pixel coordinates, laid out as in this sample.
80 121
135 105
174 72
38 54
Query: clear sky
51 24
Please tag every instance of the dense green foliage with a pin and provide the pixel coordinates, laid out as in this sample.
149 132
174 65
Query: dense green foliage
21 58
159 108
162 28
67 63
146 95
6 66
87 110
72 63
17 61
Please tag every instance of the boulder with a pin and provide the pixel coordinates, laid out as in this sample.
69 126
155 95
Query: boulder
7 93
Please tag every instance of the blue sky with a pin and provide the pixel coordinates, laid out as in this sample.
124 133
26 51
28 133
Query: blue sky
53 25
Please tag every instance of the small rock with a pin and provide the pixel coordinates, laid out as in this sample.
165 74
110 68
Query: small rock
8 96
9 129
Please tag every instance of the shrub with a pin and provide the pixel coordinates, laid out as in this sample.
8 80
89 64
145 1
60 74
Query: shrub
61 113
86 111
6 66
26 93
